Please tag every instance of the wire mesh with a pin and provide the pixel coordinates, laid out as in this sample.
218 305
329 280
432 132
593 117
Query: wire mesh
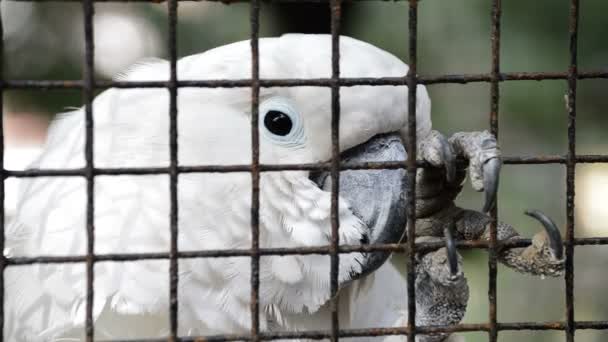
88 85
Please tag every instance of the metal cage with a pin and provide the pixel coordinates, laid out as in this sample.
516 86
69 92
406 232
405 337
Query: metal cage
88 85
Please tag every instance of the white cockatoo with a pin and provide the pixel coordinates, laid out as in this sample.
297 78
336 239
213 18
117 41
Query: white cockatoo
46 302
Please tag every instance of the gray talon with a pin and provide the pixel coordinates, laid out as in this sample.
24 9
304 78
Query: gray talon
448 158
555 238
451 249
491 174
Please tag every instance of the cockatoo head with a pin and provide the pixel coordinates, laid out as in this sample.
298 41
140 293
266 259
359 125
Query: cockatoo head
294 127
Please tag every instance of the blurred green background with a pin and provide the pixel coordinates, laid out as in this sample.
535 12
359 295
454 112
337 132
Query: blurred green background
45 41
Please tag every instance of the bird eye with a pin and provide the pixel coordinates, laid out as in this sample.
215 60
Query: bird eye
280 122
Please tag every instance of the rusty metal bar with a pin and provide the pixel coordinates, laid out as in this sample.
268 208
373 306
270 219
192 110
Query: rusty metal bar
80 172
255 171
335 9
88 94
224 253
494 103
311 82
173 174
412 85
390 331
570 328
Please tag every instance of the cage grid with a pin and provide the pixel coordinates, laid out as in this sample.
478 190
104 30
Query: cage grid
88 85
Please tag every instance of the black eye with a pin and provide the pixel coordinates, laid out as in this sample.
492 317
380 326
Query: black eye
278 123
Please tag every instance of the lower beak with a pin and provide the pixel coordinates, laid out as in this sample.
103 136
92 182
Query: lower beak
377 197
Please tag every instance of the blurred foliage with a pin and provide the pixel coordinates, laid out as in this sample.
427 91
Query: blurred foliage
454 38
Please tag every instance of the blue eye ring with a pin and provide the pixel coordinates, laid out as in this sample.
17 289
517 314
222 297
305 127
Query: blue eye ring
280 122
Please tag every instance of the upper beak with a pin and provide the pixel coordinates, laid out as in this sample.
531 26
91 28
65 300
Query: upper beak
377 197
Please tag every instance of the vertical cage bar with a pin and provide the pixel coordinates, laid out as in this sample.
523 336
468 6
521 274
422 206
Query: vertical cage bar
335 8
2 179
570 170
255 171
173 174
88 81
412 84
494 103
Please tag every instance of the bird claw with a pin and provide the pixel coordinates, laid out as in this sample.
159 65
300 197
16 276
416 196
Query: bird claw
555 239
491 174
442 292
450 160
435 204
483 154
481 151
543 257
437 151
452 253
443 265
441 288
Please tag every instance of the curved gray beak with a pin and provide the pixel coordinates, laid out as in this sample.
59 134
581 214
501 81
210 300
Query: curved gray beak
377 197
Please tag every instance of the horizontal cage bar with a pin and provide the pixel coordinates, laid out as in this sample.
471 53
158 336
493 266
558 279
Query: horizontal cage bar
127 171
381 331
225 253
310 82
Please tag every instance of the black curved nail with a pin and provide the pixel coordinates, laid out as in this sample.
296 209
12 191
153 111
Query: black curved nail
491 176
451 249
448 159
555 237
